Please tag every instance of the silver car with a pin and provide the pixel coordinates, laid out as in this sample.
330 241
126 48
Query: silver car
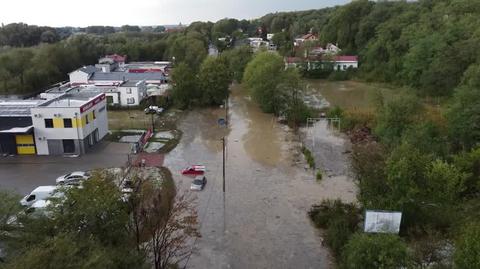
198 183
73 178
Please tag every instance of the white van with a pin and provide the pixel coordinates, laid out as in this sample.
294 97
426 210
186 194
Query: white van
40 193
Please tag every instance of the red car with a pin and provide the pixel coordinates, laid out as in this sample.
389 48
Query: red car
194 170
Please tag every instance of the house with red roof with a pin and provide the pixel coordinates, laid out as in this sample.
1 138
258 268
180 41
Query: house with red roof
300 40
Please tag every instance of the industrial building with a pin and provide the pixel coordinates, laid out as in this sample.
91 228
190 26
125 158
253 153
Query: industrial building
66 123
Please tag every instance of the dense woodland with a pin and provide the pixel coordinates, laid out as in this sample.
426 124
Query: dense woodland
410 154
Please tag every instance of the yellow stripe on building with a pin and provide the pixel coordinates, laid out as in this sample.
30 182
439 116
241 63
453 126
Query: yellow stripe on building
79 123
25 144
58 123
90 117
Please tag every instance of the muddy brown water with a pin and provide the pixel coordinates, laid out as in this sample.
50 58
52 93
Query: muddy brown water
261 221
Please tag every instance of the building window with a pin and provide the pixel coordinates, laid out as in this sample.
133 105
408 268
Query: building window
93 115
86 119
129 90
67 123
48 123
130 100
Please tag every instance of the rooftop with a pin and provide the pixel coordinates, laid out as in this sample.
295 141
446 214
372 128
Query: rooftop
74 98
122 76
18 108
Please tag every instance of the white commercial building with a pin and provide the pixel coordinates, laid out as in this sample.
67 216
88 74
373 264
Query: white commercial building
70 123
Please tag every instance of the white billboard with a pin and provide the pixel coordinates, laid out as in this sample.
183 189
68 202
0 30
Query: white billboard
382 221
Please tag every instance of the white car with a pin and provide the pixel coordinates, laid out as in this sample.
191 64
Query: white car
40 193
198 183
72 178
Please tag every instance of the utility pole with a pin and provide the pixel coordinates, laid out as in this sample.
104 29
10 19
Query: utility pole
223 147
153 123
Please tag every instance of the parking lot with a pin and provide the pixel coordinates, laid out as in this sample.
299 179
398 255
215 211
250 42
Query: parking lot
23 173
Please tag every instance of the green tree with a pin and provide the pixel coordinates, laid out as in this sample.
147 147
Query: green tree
395 117
214 79
375 251
467 251
237 59
262 76
185 89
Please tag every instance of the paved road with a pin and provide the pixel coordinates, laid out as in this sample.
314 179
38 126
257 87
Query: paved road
24 173
261 221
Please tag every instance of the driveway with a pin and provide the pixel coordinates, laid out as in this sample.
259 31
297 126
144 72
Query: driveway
24 173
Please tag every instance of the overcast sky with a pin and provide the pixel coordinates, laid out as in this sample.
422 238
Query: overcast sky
144 12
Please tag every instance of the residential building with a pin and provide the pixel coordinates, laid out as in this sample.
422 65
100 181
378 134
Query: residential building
308 37
337 62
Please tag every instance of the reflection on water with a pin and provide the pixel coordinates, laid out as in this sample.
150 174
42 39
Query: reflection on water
261 135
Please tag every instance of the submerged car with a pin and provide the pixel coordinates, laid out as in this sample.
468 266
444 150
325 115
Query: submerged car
73 178
198 183
194 170
153 110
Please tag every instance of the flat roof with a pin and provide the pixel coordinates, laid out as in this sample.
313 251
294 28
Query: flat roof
18 108
72 99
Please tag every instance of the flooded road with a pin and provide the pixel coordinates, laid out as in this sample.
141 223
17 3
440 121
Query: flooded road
261 222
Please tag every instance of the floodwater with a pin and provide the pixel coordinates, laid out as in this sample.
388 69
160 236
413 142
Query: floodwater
261 220
349 94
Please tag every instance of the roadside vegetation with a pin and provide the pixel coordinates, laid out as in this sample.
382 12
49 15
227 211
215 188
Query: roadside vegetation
97 227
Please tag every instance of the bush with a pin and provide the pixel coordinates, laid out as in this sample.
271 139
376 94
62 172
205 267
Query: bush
319 175
365 251
339 219
467 252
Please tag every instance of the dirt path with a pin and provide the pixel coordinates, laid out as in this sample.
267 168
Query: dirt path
261 222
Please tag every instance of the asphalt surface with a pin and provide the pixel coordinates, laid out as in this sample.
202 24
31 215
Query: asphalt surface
22 174
261 221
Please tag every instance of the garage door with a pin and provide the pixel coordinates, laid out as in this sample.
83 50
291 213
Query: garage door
25 144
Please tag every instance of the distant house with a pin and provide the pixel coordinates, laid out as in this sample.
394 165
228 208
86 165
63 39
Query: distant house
308 37
119 59
337 62
330 49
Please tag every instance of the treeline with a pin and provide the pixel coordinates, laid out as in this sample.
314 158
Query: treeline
427 45
24 35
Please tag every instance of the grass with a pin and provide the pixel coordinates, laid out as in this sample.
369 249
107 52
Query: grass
309 157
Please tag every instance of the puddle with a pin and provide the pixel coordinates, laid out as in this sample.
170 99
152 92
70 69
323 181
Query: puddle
167 135
130 138
153 147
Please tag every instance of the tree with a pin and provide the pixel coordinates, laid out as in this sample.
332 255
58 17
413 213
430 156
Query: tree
464 111
262 76
163 222
237 59
395 117
375 251
467 251
184 90
214 79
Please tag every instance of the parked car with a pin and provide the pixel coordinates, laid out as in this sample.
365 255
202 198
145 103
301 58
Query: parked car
153 110
194 170
198 183
40 193
73 178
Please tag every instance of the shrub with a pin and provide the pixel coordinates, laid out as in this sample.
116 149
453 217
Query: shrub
467 252
365 251
309 157
319 175
339 219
